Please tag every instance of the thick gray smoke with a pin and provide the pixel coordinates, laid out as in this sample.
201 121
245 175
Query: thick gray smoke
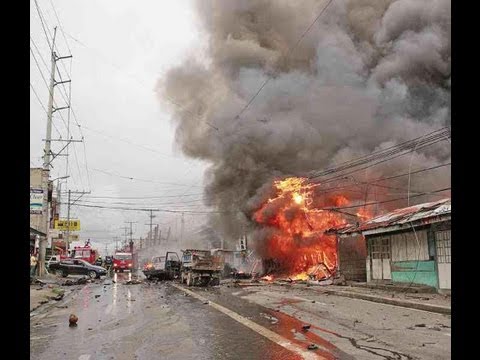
369 74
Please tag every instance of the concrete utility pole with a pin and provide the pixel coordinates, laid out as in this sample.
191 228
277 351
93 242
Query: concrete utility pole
115 239
124 235
182 228
131 233
46 161
150 235
69 204
48 151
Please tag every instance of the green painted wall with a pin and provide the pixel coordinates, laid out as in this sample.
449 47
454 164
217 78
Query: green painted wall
421 272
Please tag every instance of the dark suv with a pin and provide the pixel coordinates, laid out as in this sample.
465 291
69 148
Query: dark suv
77 267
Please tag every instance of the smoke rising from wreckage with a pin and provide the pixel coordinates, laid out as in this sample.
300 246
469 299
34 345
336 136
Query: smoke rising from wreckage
368 75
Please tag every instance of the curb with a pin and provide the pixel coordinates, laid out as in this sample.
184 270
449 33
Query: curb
41 310
384 300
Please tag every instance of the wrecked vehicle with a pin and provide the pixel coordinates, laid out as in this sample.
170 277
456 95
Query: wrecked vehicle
77 267
200 267
163 267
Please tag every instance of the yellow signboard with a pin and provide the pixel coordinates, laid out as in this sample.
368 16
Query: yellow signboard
63 225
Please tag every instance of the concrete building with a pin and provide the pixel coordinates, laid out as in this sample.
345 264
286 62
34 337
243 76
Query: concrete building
408 245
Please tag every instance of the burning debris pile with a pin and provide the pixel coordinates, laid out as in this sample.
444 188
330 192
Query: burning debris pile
280 95
296 246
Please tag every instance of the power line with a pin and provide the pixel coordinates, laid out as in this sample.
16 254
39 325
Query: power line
44 109
39 53
373 182
128 142
157 210
387 201
383 155
141 197
137 179
43 25
286 56
60 25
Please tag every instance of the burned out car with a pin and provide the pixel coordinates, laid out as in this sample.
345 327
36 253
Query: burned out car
163 267
77 267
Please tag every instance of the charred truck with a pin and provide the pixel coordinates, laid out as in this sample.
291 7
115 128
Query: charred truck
200 268
163 267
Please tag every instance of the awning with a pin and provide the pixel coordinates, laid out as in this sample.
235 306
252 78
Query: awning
36 232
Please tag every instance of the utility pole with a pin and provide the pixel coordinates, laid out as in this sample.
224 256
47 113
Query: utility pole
131 234
47 151
69 204
182 228
106 249
124 235
46 162
150 235
115 239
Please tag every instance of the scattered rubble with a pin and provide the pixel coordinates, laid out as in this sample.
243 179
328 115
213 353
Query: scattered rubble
312 347
72 320
133 282
306 327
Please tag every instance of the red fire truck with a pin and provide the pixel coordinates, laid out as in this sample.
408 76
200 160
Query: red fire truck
122 260
85 252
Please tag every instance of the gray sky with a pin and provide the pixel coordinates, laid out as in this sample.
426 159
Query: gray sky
120 50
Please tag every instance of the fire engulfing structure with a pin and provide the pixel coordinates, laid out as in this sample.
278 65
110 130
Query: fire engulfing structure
286 88
296 245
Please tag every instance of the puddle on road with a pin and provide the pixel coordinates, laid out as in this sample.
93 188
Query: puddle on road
291 328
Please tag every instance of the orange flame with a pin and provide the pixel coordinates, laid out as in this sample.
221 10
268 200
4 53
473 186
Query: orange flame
298 244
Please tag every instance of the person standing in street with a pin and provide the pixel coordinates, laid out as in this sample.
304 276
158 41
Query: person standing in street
33 264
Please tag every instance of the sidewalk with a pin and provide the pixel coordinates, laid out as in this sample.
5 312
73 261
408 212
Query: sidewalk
41 295
422 301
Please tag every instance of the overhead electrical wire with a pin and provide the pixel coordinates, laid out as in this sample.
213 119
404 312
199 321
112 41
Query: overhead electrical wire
286 56
386 201
382 155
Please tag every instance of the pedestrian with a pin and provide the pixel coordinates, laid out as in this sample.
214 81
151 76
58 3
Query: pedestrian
33 264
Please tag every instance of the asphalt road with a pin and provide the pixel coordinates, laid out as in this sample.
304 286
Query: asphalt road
166 320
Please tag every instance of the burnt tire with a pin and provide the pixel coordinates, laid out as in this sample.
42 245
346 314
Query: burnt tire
61 273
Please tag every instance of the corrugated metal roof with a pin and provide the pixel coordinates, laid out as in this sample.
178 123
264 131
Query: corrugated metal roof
412 214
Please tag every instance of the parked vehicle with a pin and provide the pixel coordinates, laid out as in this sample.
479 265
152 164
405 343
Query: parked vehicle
54 259
200 267
163 267
122 261
77 267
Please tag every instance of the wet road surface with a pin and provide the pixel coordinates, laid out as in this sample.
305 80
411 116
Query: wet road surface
118 321
166 320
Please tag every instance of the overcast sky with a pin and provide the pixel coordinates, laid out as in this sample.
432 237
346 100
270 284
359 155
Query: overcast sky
120 50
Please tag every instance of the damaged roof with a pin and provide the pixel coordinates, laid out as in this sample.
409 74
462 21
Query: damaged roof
420 214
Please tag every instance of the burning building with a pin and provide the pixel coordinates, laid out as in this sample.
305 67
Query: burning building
281 92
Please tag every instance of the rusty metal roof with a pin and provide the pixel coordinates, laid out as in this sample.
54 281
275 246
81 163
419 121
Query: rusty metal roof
395 220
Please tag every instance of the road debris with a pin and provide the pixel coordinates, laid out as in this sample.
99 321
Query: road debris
306 327
133 282
312 347
72 320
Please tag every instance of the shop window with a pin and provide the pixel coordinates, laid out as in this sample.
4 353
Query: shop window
380 248
443 240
